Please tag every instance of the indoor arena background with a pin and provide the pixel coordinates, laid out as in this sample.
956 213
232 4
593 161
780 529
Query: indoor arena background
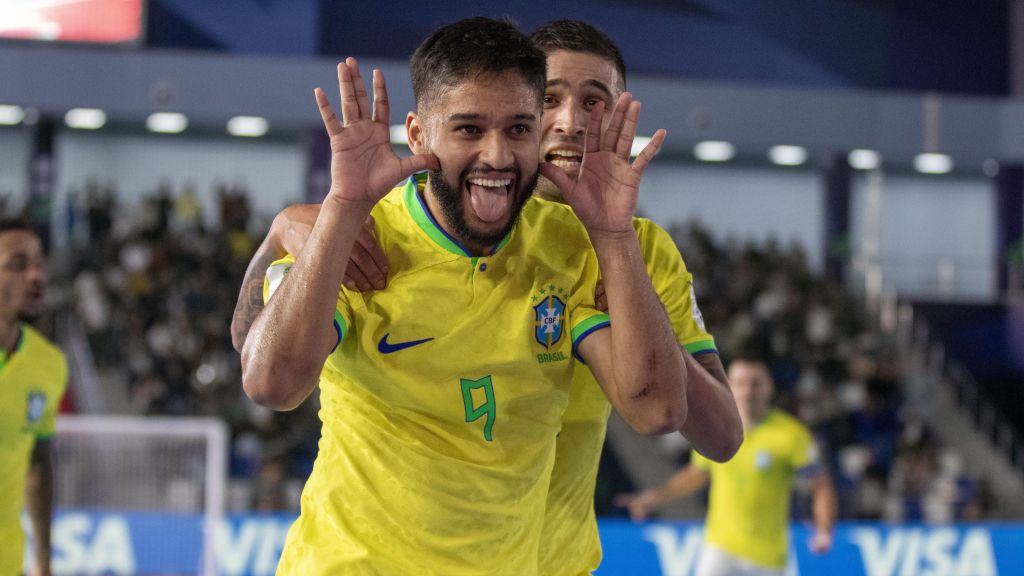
844 178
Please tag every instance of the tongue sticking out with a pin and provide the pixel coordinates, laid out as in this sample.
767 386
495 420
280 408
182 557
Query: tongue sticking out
490 204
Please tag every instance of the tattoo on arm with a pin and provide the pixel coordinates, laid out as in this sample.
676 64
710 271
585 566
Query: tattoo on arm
250 298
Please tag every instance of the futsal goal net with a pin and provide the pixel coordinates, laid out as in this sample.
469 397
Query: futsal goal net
157 482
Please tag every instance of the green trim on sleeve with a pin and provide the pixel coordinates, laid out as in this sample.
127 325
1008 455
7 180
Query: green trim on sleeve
339 320
581 329
700 347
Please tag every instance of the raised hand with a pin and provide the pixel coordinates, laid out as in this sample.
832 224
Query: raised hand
363 166
605 193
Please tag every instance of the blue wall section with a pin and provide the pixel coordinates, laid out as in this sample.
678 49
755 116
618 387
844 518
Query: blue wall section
113 542
908 45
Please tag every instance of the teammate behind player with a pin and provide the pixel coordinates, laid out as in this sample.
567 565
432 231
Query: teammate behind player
33 375
748 510
585 68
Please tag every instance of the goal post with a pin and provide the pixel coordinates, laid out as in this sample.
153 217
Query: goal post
147 466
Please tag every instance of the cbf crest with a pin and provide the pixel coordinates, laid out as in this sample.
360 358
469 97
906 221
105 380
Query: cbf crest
36 406
549 315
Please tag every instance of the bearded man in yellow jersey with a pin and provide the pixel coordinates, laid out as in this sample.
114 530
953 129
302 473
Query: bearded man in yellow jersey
33 375
746 532
440 400
584 68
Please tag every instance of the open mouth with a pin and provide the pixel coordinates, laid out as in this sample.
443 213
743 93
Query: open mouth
568 160
490 198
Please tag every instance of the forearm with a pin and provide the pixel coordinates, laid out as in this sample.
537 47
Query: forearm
289 341
824 505
713 426
648 373
682 484
39 502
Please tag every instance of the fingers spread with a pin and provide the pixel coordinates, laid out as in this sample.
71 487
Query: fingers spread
593 141
625 143
647 154
349 102
362 99
330 120
611 134
381 106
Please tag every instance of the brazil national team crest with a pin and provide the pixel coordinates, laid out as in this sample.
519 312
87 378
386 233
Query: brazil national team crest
36 406
549 316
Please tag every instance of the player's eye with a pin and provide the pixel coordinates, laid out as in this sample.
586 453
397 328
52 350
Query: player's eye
550 100
519 129
468 129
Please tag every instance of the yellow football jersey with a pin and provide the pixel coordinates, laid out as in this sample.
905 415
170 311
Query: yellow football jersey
441 403
32 382
748 509
570 544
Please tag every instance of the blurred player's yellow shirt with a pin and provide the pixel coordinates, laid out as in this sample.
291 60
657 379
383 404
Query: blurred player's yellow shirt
441 403
32 382
570 544
748 510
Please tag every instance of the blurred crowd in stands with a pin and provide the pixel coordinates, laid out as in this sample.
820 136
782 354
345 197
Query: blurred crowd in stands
154 287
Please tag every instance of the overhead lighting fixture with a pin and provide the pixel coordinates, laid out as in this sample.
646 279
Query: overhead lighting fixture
398 134
167 122
11 115
85 118
787 155
248 126
714 151
931 163
863 159
639 143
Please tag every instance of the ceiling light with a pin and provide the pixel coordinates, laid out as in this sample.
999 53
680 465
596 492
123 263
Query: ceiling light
248 126
863 159
398 135
787 155
85 118
167 122
11 115
639 143
930 163
714 151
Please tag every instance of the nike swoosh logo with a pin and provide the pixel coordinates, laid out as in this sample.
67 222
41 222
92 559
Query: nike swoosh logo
385 347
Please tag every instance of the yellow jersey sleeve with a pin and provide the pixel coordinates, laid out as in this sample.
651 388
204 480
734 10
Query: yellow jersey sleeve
276 274
584 316
805 459
47 425
674 285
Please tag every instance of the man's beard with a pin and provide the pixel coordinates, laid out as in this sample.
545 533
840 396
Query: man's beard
451 200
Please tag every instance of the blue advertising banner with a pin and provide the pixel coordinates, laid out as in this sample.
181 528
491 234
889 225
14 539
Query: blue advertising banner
115 542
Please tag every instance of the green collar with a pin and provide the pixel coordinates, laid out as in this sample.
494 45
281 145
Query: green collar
4 356
412 193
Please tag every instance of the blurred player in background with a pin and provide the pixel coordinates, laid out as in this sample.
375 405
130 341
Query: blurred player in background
33 375
746 531
414 475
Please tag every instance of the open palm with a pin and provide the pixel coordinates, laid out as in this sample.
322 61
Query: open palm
604 195
363 165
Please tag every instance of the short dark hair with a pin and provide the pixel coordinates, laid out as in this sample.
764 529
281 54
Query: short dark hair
472 48
8 224
576 36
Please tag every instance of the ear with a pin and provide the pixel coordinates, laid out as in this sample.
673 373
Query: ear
416 134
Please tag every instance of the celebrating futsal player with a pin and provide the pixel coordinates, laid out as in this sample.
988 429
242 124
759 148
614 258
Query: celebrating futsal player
442 394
